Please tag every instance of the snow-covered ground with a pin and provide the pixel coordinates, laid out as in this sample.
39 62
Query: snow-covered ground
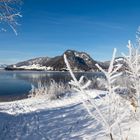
63 119
34 66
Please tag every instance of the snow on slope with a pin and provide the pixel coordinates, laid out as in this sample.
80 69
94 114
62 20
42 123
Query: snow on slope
42 102
36 67
40 119
2 66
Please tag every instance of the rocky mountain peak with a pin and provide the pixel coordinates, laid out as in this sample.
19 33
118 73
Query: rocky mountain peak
79 61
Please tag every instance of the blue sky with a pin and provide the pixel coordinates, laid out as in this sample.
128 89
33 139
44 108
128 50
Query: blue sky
49 27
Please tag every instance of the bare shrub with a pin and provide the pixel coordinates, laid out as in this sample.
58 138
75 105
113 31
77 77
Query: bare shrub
51 91
113 116
133 72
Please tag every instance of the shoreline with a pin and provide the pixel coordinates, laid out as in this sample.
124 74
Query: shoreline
12 98
26 70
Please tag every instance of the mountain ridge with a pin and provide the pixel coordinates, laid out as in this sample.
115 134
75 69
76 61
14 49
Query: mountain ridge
79 61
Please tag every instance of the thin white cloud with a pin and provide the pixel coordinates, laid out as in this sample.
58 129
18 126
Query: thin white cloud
13 52
84 21
12 57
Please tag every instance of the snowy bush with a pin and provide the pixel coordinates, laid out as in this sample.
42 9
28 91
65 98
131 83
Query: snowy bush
98 83
51 91
101 83
133 71
116 106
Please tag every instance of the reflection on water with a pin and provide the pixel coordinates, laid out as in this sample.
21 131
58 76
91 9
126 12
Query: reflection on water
18 83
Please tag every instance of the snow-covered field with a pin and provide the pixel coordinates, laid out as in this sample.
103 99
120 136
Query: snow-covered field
63 119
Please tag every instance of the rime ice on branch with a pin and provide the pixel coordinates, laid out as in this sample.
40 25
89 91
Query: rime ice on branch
112 118
9 13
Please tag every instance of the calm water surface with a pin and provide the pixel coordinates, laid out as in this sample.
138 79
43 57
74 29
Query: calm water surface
17 84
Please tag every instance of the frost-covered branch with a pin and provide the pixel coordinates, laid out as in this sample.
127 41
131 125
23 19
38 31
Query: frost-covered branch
133 71
9 13
85 96
111 99
114 101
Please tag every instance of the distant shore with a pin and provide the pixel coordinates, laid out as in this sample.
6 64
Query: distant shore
12 98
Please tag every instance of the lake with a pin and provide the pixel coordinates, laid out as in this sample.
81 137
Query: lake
17 84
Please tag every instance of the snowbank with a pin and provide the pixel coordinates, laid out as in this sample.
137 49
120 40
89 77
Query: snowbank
63 119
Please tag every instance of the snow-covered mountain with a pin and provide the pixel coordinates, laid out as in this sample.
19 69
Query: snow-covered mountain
2 66
32 64
79 61
35 61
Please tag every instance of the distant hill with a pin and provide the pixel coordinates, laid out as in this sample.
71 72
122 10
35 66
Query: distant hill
79 61
40 60
3 66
